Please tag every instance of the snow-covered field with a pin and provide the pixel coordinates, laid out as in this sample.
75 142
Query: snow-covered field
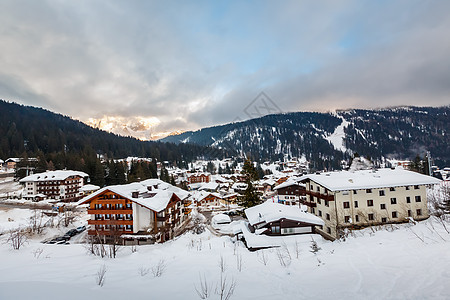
401 262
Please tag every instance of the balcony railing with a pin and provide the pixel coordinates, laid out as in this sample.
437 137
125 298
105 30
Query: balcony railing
110 222
102 211
321 196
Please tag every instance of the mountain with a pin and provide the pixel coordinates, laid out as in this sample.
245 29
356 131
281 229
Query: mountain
327 138
30 130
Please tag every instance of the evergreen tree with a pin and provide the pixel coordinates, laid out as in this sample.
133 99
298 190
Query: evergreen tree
251 197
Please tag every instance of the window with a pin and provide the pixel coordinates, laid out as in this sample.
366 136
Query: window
383 220
408 199
346 204
347 219
416 187
407 188
313 210
356 218
327 204
371 217
381 192
392 189
356 204
129 227
393 200
275 229
409 213
368 191
311 187
328 230
128 205
320 213
129 217
328 216
418 199
318 188
394 214
107 217
318 201
369 202
419 212
382 206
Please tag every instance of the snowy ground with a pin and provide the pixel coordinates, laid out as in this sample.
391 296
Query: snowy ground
384 264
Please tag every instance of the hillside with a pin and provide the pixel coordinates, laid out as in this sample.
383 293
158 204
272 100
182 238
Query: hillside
26 129
327 138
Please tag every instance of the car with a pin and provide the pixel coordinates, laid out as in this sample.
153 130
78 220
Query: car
72 232
81 228
67 236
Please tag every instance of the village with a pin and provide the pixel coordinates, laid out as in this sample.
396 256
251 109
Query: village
298 216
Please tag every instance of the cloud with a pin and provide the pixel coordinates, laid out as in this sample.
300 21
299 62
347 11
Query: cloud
201 63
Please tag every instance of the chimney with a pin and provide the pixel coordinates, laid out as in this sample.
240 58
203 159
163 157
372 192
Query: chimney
135 194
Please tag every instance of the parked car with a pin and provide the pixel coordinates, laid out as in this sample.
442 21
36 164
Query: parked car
81 228
72 232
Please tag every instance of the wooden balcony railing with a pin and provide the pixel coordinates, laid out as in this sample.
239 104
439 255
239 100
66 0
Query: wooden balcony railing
102 211
108 232
110 222
321 196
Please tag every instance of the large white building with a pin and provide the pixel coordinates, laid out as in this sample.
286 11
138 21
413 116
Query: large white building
61 185
366 197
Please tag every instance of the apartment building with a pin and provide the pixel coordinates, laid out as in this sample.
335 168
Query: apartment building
61 185
151 208
367 197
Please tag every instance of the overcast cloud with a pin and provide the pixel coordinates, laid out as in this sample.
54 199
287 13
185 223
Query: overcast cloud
194 64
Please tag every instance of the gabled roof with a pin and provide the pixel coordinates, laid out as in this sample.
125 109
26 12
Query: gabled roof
270 212
366 179
156 197
287 183
53 175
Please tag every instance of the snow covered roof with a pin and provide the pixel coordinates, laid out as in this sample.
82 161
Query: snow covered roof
200 195
89 187
221 219
157 198
364 179
269 212
209 186
1 161
53 175
287 183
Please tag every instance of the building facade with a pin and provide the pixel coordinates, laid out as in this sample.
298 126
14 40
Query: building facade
61 185
353 200
152 208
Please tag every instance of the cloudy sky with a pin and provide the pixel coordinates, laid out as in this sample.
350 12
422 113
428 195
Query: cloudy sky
182 65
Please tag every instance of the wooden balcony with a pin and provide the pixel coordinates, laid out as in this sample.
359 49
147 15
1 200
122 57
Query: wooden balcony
321 196
162 219
110 222
108 232
187 211
187 203
110 211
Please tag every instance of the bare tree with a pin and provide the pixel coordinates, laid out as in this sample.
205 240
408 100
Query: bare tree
37 252
159 268
225 288
239 262
297 249
36 222
204 290
100 277
263 257
314 247
143 271
16 238
222 264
